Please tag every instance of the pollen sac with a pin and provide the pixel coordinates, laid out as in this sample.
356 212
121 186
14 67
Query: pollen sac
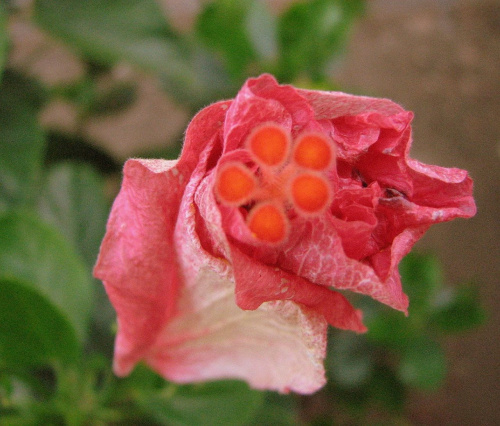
313 151
234 184
268 223
269 145
310 193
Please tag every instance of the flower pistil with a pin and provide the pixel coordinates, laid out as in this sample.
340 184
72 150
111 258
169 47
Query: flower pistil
287 177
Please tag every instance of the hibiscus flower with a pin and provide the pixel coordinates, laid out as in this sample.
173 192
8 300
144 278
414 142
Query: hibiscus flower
225 263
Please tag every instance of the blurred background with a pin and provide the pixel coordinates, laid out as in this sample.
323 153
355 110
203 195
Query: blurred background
441 60
87 84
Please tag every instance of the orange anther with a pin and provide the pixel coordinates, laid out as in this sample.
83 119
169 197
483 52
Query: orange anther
234 184
269 144
313 151
268 223
310 193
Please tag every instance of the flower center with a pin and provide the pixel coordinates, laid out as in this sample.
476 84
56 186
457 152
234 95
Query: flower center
290 176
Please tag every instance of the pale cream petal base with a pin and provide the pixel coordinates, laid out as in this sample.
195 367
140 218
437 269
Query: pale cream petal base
280 346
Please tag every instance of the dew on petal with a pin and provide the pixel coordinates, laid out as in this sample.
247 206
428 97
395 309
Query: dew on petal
269 145
313 151
268 223
234 184
310 193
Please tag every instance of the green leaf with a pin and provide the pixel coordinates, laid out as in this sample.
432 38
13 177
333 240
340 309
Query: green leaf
204 80
261 29
422 277
32 330
349 359
215 403
22 142
73 202
37 254
61 147
391 328
115 100
458 309
387 390
423 364
111 30
135 31
4 38
312 33
143 379
277 410
221 27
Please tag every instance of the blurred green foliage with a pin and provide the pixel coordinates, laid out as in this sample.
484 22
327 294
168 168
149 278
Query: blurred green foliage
399 353
55 334
22 140
3 37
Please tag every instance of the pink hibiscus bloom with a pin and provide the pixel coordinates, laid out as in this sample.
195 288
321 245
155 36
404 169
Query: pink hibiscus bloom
224 263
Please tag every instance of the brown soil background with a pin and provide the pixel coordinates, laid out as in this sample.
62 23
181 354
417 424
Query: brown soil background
441 59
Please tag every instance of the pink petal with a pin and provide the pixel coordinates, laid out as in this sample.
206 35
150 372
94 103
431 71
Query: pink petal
137 261
317 255
330 105
176 301
280 346
355 220
257 283
262 100
211 337
198 298
448 190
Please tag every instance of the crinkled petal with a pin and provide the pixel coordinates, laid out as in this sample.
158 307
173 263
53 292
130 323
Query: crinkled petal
257 283
355 134
448 190
317 255
355 220
211 337
385 262
206 125
198 297
280 346
330 105
137 262
262 100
